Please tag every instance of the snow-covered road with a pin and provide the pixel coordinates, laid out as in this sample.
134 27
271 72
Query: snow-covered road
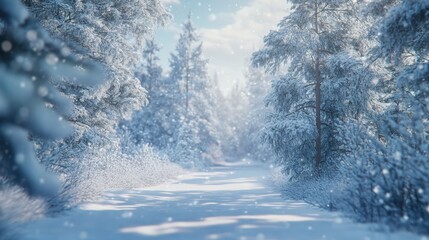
228 202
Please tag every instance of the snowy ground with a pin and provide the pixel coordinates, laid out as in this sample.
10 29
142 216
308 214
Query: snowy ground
228 202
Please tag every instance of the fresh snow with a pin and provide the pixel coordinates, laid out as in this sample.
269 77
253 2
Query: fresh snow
227 202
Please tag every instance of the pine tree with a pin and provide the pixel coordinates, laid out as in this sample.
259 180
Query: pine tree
151 70
196 108
150 124
182 70
29 104
318 41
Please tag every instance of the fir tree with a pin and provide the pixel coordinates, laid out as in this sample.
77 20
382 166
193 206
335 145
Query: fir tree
150 124
318 41
196 109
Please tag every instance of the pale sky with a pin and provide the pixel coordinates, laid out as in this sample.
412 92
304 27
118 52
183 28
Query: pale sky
230 30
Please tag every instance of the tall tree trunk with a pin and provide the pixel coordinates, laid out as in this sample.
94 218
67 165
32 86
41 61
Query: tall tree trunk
317 91
150 66
318 114
187 82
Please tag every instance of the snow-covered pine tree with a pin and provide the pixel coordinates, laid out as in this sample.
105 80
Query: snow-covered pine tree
203 102
196 108
181 65
150 125
111 32
326 84
30 61
150 71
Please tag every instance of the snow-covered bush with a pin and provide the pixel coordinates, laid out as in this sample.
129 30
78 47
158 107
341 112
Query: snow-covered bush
386 178
17 207
106 169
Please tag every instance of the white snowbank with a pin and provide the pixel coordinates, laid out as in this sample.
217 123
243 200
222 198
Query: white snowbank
141 167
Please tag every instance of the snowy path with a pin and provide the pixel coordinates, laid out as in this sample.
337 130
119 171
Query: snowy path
225 203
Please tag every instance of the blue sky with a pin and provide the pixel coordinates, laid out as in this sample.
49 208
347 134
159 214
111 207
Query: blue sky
230 31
